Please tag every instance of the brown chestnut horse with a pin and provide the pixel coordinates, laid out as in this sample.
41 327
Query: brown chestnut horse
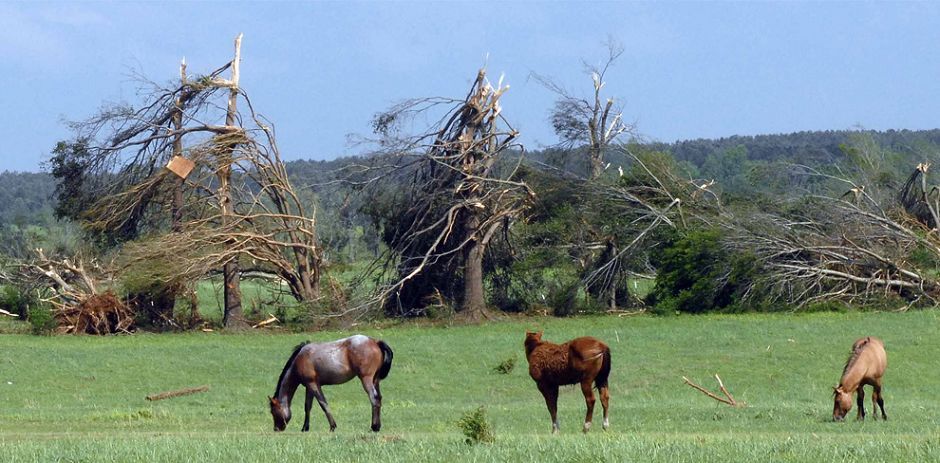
866 365
315 365
579 361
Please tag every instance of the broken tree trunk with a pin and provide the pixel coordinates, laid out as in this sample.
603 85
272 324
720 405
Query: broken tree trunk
233 317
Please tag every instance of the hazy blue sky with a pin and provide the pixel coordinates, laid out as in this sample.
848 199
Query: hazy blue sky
320 70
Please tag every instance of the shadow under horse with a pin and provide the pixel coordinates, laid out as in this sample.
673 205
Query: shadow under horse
581 361
336 362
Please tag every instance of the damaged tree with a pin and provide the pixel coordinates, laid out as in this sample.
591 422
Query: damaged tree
460 199
854 248
594 122
236 206
72 288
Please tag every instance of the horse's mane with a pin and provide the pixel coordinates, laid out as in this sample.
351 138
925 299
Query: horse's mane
287 365
856 351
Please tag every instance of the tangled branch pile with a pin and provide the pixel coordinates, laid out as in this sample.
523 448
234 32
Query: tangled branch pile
96 314
851 248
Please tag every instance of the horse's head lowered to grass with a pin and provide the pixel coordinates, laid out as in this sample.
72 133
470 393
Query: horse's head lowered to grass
281 414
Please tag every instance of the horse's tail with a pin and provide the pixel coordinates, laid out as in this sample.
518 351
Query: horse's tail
387 355
600 381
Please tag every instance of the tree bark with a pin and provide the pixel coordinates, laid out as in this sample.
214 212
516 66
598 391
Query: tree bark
233 315
177 206
474 298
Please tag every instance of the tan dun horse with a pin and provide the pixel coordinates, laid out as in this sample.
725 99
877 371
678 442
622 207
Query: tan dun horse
315 365
865 366
579 361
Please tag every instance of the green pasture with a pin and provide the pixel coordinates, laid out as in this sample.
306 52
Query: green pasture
81 398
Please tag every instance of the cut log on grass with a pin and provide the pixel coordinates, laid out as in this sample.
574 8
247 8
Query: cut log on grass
177 393
728 399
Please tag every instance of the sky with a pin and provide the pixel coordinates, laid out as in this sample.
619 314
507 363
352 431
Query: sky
321 70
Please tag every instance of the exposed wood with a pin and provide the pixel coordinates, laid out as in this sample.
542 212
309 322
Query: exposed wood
232 317
177 393
271 319
180 166
727 399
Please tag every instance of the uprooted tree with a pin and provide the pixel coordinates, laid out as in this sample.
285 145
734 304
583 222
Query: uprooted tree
230 207
874 242
75 290
460 198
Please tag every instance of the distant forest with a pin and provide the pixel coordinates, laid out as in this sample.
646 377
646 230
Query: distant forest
28 198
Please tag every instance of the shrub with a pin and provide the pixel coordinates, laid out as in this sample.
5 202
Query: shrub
696 274
41 318
505 367
14 301
475 426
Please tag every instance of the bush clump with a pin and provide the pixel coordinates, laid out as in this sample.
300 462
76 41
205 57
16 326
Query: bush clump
696 275
476 427
42 319
506 366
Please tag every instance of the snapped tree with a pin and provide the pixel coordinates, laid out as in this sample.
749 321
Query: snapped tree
460 197
232 205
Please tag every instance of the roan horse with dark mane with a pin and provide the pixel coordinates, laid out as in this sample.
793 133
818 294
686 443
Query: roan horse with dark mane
866 365
315 365
582 360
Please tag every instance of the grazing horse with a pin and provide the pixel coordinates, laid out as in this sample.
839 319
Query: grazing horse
582 360
866 365
315 365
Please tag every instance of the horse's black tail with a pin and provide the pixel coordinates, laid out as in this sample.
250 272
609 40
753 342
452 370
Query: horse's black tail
387 355
600 381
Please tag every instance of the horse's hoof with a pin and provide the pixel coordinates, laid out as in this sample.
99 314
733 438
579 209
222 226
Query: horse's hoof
587 427
606 424
332 428
376 427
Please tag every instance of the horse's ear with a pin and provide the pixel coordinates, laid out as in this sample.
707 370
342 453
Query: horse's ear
272 400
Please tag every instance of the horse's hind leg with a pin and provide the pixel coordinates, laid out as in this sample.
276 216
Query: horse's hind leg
550 392
308 402
375 396
321 399
860 399
589 401
605 399
876 398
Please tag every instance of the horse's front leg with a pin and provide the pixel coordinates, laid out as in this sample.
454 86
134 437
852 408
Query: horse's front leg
589 401
321 399
308 402
375 397
860 400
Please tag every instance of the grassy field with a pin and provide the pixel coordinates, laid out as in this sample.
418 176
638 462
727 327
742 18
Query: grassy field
82 398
